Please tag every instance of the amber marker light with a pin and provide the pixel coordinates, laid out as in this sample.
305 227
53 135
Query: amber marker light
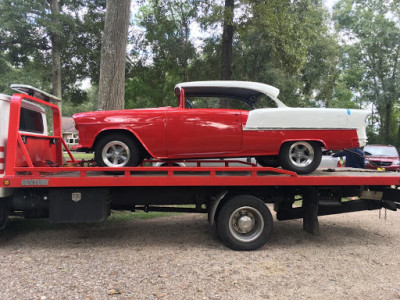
6 182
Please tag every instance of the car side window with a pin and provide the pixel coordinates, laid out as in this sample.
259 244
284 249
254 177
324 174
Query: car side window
216 103
262 101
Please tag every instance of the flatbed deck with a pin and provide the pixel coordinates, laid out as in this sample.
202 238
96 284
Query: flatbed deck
193 176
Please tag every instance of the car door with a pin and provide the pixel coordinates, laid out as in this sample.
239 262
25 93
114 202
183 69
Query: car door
203 132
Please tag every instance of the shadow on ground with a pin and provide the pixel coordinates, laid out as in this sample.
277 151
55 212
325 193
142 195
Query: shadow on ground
187 230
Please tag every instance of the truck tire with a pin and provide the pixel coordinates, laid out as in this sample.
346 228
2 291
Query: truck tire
301 157
117 150
244 223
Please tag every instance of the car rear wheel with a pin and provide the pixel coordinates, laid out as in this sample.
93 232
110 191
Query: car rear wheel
117 150
301 157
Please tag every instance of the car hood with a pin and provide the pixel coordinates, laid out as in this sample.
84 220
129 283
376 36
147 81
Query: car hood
382 158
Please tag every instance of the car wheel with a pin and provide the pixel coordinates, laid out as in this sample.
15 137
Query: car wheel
117 150
244 223
268 161
301 157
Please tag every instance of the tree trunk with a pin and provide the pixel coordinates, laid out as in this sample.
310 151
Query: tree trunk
56 53
113 55
387 123
227 40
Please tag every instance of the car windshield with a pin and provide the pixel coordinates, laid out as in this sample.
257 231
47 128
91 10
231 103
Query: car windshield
381 151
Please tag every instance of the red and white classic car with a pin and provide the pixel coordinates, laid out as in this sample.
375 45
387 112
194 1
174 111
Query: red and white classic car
219 119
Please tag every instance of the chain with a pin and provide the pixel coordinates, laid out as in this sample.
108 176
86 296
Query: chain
380 211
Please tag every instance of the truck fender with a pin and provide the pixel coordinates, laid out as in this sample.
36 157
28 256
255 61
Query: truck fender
215 200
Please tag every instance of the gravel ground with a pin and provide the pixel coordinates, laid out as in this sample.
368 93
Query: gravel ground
180 257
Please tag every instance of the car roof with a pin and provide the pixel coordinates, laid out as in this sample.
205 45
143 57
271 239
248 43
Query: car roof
233 88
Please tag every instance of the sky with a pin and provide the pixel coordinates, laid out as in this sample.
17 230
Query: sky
330 3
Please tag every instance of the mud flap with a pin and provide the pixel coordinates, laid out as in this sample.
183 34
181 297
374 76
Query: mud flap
310 205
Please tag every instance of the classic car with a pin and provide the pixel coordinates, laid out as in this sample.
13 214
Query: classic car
221 119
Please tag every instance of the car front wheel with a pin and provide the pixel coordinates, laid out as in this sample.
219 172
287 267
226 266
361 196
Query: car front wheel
301 156
117 150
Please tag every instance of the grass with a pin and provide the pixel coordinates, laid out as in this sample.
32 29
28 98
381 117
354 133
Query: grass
18 225
125 216
79 155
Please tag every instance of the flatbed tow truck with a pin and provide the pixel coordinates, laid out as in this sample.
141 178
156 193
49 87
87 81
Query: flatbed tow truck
36 182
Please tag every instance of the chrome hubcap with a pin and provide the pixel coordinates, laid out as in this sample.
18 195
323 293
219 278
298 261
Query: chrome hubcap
246 224
116 154
301 154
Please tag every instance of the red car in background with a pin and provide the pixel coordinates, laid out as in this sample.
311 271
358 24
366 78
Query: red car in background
381 156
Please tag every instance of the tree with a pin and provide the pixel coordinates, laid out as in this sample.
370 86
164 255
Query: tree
47 38
55 38
287 44
372 32
162 53
113 55
227 40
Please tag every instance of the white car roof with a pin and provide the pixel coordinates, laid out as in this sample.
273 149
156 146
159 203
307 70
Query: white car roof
263 88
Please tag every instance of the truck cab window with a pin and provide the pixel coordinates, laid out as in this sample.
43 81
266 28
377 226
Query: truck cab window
31 121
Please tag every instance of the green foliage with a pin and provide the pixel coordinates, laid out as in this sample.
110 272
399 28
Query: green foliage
284 43
161 53
80 101
288 44
27 75
26 28
371 57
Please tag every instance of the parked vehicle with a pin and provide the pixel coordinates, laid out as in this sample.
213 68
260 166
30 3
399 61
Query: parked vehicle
256 124
381 156
330 162
35 183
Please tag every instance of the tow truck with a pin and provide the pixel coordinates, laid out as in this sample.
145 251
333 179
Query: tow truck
37 182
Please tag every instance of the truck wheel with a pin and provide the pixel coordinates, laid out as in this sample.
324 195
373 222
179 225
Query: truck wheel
268 161
244 223
301 157
117 150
